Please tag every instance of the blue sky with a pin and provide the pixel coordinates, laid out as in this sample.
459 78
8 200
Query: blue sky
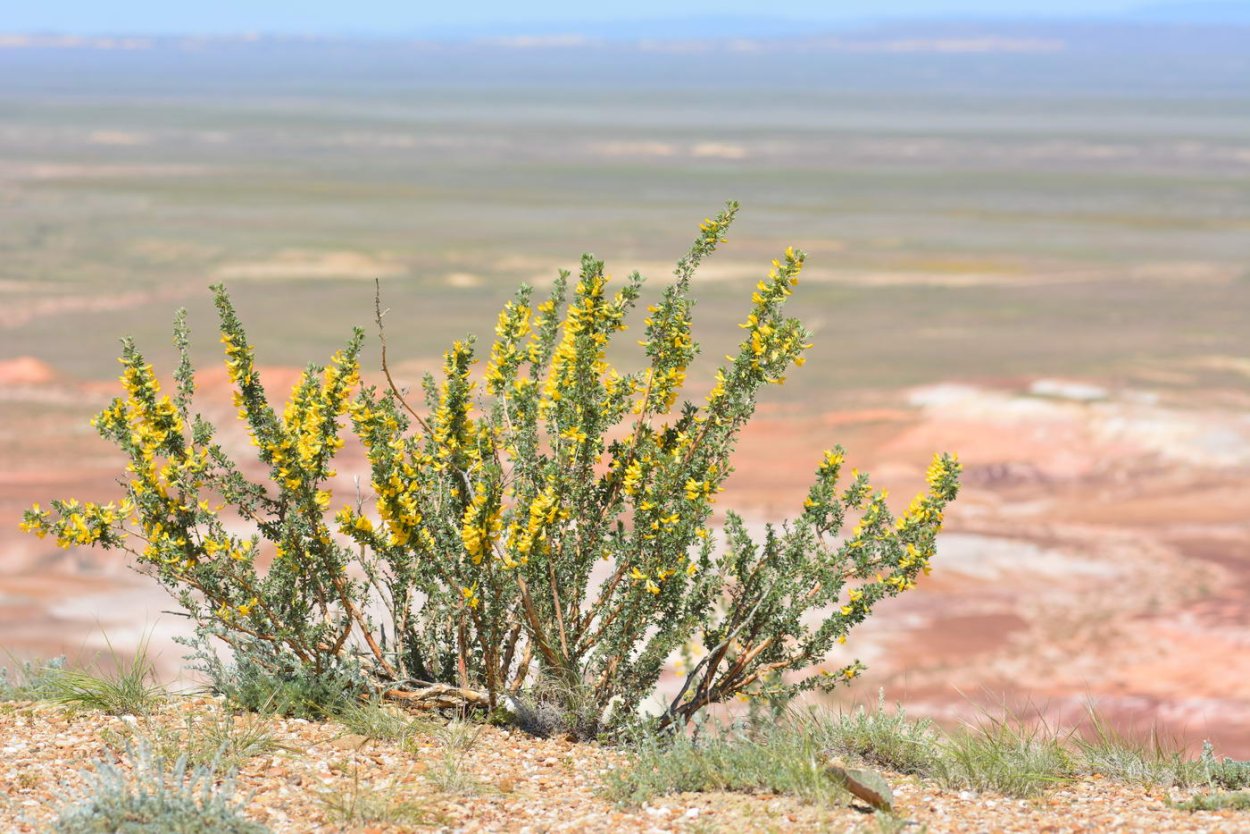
417 16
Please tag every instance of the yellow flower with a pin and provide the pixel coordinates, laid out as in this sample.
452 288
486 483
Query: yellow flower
480 528
633 477
938 470
575 434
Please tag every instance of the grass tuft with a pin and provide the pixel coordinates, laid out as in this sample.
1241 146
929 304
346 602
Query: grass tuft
1238 801
29 681
1004 755
376 720
555 708
1116 755
775 759
217 739
880 738
365 804
129 689
450 775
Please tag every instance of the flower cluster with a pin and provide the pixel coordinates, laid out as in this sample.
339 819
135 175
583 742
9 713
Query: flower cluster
77 524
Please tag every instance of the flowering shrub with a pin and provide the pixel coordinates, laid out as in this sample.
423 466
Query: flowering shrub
546 522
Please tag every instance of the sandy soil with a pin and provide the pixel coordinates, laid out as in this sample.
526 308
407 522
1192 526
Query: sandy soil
506 780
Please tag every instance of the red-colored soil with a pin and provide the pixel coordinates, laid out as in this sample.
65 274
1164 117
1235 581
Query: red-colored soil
1100 550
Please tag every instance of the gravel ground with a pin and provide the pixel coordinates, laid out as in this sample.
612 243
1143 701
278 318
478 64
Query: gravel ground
482 779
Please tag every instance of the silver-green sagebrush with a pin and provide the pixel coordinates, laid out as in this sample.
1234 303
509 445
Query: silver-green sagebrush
467 573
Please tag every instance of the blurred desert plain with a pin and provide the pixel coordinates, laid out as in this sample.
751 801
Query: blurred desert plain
1028 243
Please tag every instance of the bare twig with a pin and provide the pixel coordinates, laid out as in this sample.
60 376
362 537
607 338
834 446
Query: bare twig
378 314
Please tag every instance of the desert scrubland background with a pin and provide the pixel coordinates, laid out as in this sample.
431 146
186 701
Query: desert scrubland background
1028 243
